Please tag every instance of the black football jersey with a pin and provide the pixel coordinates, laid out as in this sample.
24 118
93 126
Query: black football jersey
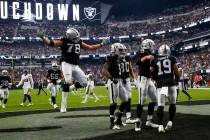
113 66
165 71
54 75
143 67
124 67
70 51
4 81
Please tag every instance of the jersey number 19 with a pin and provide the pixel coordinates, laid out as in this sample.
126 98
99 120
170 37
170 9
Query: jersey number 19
164 66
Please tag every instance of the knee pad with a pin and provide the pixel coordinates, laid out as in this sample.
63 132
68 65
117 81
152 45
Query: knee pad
66 87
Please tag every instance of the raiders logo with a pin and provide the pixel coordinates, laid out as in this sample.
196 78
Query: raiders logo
90 12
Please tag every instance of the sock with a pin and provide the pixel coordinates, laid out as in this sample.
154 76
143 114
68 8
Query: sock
5 101
139 110
86 97
172 112
112 109
177 90
53 100
128 106
29 98
160 115
24 98
151 108
186 93
94 95
121 110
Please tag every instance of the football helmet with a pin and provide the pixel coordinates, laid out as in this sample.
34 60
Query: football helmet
54 66
147 45
4 72
119 49
164 50
73 35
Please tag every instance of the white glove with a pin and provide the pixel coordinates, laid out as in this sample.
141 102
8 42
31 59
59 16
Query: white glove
105 41
58 81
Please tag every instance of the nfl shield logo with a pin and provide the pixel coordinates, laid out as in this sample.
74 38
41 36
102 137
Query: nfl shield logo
90 12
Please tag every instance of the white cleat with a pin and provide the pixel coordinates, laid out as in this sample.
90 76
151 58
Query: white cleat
55 106
130 121
151 124
84 101
97 99
63 110
22 104
169 125
3 105
116 127
30 104
161 129
138 126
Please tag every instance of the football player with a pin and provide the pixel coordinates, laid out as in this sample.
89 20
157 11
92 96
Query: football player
71 46
28 84
167 75
54 79
181 84
89 89
112 70
146 85
127 74
5 83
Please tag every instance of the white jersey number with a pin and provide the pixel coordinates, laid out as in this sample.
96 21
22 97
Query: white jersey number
166 65
76 48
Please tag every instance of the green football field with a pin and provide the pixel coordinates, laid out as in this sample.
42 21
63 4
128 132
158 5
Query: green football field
41 102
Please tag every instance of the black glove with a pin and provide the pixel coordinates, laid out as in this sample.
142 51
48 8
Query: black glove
124 81
115 81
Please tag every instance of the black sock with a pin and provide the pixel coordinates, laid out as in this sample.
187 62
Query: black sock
5 101
112 109
172 112
1 99
160 115
53 100
128 106
25 98
151 108
139 110
29 98
186 93
177 90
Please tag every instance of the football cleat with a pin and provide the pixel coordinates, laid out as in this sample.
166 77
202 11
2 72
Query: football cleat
151 124
3 105
84 101
161 129
63 110
116 127
97 99
55 106
169 125
119 123
30 104
22 104
138 126
130 121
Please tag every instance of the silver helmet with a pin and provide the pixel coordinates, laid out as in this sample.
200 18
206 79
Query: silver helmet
164 50
54 66
118 49
73 35
147 45
4 72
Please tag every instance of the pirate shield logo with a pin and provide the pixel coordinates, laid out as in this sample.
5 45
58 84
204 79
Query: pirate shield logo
90 12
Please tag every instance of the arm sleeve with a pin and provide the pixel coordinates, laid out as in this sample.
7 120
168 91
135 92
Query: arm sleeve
21 81
32 81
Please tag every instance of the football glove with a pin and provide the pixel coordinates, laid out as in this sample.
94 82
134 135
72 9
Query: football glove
105 42
40 34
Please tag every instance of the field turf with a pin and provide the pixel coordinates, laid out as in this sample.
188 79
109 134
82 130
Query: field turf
41 102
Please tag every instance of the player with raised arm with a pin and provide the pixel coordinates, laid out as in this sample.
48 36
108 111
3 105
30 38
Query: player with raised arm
167 75
54 78
5 83
146 85
28 84
112 70
71 46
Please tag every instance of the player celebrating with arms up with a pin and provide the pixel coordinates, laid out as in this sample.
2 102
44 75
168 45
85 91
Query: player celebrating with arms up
70 46
53 78
167 75
5 83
